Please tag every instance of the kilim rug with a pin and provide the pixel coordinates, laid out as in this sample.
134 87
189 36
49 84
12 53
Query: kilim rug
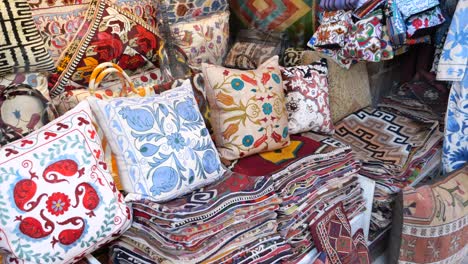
435 221
298 17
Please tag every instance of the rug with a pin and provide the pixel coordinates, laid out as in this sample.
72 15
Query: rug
298 17
435 221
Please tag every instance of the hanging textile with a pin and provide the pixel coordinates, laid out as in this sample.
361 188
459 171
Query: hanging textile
452 67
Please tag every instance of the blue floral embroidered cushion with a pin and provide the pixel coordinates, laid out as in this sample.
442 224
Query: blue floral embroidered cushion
58 201
248 109
161 143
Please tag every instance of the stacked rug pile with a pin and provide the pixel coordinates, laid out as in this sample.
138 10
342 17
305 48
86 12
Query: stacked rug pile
311 175
233 220
393 147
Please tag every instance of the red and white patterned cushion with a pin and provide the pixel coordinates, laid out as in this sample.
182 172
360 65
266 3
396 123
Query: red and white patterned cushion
58 201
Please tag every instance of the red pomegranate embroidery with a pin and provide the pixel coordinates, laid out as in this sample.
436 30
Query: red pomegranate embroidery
69 236
23 192
33 228
91 198
58 203
65 167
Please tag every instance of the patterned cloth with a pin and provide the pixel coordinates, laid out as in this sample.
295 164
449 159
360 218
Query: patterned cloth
455 149
180 11
298 17
427 19
452 67
454 58
435 221
332 234
21 47
306 89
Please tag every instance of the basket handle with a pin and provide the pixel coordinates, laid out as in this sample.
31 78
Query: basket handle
106 68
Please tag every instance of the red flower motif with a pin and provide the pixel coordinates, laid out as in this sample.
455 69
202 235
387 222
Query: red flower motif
131 63
107 46
417 23
58 203
142 39
225 72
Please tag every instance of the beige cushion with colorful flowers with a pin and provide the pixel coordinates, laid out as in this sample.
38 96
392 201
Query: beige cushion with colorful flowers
248 112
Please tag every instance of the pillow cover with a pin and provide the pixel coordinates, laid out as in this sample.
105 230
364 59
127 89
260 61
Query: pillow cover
162 146
332 234
363 40
349 90
413 7
306 89
248 112
424 20
107 34
59 203
59 21
21 45
332 31
203 40
36 80
177 11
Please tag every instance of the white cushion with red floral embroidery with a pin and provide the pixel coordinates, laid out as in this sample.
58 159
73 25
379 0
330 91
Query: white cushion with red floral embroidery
58 201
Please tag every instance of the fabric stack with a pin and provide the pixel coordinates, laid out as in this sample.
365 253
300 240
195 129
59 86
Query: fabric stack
393 148
231 221
310 175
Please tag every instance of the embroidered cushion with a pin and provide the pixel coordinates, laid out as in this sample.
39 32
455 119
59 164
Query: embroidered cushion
412 7
36 80
21 45
59 21
349 90
203 40
178 11
248 113
332 31
364 39
424 20
58 202
107 34
162 146
306 89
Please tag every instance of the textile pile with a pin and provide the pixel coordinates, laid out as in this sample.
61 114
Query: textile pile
393 148
310 176
230 221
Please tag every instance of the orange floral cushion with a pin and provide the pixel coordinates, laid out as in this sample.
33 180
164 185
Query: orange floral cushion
248 112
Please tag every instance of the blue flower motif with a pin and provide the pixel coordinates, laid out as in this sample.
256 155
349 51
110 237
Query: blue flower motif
459 157
276 78
237 84
164 180
138 119
210 162
267 108
176 141
17 114
248 141
187 111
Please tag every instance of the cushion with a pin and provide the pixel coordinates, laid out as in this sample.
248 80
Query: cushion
59 21
435 214
363 40
108 34
36 80
349 90
162 146
248 112
412 7
203 40
333 29
177 11
59 203
306 89
332 234
424 20
21 45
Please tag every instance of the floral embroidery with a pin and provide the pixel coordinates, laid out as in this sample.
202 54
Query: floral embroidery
58 203
428 19
251 115
307 103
